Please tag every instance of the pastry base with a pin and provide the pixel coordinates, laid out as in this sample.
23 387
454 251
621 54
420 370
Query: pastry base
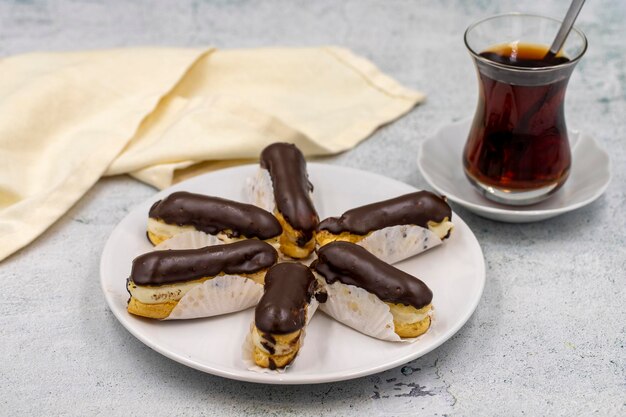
442 229
153 311
324 237
407 329
156 239
287 342
265 360
289 240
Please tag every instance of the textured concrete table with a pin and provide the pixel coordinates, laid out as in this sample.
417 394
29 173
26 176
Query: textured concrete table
548 337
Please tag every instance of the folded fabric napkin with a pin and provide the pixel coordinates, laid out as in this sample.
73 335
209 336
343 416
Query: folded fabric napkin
66 119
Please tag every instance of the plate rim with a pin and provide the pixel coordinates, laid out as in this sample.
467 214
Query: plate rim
278 379
533 215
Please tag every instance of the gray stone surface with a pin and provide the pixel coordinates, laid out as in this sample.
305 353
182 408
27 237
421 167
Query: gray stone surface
548 337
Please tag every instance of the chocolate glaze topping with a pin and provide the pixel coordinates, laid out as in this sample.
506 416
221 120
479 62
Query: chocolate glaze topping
289 288
171 266
352 265
287 169
416 208
213 215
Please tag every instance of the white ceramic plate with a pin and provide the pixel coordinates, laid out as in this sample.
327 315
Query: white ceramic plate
455 272
439 161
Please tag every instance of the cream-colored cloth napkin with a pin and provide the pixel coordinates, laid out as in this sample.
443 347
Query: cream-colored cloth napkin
66 119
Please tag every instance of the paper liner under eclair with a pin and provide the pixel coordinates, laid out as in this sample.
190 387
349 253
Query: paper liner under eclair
396 243
204 282
393 229
221 295
362 311
370 295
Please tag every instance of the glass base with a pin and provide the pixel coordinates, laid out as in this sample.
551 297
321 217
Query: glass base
514 197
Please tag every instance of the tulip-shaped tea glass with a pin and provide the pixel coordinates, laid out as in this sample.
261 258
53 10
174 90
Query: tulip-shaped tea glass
518 151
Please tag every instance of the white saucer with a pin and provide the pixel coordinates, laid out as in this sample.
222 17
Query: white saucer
439 161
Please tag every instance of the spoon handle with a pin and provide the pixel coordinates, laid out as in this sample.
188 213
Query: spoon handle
566 26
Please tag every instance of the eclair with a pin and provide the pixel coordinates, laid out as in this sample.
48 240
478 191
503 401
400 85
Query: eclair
282 313
228 220
163 282
282 187
392 229
347 270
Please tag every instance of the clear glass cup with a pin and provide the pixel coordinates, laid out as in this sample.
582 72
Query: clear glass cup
517 151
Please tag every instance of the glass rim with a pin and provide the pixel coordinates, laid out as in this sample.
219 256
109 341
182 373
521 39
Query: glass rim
477 56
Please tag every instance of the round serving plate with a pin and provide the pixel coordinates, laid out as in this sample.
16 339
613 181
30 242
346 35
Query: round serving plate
455 271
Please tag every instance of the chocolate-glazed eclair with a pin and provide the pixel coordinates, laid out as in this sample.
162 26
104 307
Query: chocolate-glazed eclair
159 281
282 186
342 264
228 220
282 314
392 229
